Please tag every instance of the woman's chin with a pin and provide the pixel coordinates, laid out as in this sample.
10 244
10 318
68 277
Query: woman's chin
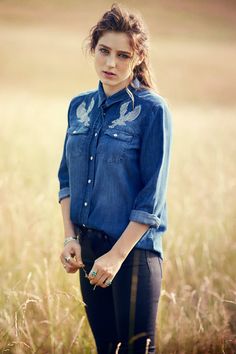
108 82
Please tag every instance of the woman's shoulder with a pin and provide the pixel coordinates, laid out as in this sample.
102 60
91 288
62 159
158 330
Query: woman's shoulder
151 99
82 96
156 108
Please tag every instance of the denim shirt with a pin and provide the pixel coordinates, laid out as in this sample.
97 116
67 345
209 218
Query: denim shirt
115 162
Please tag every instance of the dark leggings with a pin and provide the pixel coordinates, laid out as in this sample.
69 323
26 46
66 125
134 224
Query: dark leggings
126 311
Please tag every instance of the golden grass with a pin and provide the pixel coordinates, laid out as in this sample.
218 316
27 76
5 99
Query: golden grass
41 310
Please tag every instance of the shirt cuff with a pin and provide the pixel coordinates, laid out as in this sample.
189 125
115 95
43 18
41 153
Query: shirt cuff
144 218
63 193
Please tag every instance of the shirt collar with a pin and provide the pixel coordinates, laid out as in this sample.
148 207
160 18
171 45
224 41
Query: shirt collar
118 96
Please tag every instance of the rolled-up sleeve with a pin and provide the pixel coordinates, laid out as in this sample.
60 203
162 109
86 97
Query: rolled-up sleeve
63 173
154 167
63 176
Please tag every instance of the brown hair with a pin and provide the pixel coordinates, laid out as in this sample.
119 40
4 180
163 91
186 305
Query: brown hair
119 19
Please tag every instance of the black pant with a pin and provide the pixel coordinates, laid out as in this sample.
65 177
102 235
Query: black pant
125 312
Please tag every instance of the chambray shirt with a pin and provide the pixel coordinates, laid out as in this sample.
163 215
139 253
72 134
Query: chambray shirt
115 162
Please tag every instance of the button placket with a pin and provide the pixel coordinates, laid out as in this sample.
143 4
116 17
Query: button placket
91 166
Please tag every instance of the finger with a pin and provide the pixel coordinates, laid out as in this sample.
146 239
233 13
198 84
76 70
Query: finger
100 275
101 281
75 252
71 261
108 282
68 258
94 276
72 266
67 263
78 258
70 269
97 280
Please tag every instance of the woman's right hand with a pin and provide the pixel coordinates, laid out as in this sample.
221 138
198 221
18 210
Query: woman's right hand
72 249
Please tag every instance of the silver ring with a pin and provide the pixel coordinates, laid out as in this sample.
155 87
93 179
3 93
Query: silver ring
108 283
67 258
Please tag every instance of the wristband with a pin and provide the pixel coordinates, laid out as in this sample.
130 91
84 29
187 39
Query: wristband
70 238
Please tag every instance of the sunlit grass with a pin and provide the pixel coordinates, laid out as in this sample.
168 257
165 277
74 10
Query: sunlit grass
41 306
41 310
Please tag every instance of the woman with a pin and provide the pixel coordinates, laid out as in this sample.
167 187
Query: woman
113 179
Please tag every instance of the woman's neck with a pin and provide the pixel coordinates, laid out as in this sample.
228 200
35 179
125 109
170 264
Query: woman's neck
111 90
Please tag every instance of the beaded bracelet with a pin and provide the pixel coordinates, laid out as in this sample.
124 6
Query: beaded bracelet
70 238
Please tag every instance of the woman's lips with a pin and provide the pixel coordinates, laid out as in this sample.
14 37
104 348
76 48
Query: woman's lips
108 74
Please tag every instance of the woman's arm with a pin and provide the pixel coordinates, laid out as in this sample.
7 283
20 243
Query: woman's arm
132 234
68 225
72 248
154 168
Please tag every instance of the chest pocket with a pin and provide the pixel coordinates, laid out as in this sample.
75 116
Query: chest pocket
77 140
116 145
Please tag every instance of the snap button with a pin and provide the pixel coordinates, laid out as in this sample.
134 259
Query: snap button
75 131
91 157
85 203
96 134
115 135
89 181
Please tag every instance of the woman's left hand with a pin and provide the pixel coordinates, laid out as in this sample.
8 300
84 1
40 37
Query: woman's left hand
104 269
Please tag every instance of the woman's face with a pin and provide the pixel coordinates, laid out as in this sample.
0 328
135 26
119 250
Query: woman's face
114 61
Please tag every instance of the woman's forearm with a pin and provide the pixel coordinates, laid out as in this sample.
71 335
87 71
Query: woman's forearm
132 234
68 225
71 254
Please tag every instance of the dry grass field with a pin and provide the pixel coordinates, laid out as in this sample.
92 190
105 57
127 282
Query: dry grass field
42 66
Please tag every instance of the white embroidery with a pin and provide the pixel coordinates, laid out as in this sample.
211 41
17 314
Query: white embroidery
126 117
82 113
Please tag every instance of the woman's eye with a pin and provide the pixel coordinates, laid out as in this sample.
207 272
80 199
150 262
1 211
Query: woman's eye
121 55
124 56
103 50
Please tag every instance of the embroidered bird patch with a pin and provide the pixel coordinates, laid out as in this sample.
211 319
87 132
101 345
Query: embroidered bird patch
82 113
126 117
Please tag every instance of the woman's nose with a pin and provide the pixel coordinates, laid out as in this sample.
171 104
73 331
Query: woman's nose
111 61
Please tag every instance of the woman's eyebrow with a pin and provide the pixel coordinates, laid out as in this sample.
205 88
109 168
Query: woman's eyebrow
122 51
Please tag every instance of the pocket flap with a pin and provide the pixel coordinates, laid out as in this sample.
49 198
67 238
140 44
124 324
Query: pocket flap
78 130
118 134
